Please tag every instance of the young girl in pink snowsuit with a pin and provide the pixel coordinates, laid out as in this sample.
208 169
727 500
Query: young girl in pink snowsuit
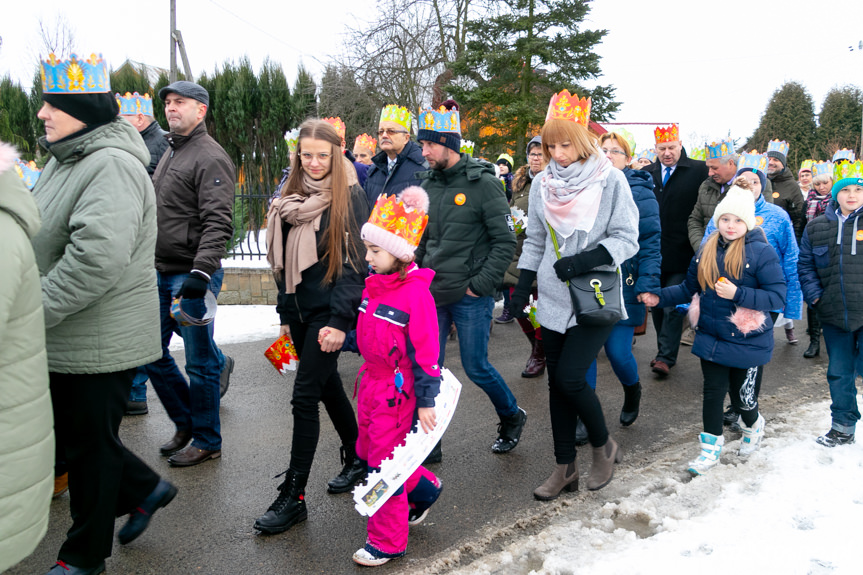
397 335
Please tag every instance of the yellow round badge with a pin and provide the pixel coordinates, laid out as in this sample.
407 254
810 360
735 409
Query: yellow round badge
775 194
759 220
460 199
860 235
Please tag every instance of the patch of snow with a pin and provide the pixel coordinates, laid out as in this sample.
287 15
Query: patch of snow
241 323
792 507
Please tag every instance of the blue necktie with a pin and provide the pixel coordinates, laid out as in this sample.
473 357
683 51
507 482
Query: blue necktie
667 175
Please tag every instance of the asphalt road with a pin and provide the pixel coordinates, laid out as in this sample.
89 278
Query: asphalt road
487 498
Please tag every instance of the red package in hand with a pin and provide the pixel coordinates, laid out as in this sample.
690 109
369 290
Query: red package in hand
283 355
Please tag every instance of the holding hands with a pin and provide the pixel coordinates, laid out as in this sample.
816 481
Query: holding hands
649 299
331 339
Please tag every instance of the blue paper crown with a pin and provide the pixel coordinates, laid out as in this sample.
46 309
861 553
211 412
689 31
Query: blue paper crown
719 150
28 172
822 169
844 155
778 146
74 76
649 154
441 120
134 104
753 161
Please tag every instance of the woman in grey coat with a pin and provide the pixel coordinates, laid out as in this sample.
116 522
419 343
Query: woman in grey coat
589 206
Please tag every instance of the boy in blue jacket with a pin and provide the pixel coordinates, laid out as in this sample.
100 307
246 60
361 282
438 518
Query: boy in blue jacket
830 272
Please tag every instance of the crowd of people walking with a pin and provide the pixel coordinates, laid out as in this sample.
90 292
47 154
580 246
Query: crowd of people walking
116 247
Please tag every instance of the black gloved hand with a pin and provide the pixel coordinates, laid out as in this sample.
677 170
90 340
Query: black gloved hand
521 294
194 286
517 303
568 267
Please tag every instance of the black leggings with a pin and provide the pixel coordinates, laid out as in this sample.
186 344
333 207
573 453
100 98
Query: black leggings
569 356
739 384
317 381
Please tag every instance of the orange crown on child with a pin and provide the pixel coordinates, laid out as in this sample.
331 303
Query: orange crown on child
390 215
566 106
665 135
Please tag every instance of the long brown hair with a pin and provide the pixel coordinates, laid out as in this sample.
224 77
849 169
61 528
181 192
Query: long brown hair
559 131
337 240
735 258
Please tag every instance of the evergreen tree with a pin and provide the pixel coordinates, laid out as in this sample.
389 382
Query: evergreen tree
789 116
274 121
515 60
158 106
16 118
343 96
304 104
840 120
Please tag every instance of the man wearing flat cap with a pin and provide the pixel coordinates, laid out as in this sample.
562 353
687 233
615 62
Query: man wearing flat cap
194 185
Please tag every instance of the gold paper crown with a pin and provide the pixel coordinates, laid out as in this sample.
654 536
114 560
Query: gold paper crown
390 215
398 114
566 106
665 135
366 141
338 125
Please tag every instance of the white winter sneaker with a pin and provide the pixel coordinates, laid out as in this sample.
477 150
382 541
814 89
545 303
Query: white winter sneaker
711 448
751 436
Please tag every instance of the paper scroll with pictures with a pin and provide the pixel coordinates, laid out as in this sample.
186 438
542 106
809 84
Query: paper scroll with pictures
407 457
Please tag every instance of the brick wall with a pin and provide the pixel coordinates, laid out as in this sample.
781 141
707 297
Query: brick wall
248 286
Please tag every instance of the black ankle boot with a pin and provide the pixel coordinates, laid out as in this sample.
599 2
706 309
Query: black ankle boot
354 470
289 508
631 403
814 348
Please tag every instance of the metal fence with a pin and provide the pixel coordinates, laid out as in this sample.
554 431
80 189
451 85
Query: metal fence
250 222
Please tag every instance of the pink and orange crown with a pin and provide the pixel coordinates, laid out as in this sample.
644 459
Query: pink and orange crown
566 106
338 125
391 215
366 141
668 134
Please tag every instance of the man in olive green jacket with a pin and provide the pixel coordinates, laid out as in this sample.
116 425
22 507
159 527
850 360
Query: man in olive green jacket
469 242
26 425
95 254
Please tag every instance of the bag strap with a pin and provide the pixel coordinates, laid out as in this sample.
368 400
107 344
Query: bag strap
554 243
554 240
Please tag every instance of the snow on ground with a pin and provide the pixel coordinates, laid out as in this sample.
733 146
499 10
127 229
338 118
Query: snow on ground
241 323
794 507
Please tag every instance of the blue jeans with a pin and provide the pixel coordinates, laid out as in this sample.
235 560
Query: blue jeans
844 349
139 386
618 348
472 319
194 404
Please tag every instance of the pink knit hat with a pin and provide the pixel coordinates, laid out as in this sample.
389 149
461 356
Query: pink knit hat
397 225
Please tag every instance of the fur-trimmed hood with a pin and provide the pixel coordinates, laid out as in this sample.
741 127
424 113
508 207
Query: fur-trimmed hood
15 198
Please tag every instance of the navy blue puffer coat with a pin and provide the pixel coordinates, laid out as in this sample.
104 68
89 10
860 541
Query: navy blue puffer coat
761 288
641 272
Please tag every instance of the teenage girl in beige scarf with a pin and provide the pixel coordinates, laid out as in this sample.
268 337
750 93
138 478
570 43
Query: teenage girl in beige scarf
315 251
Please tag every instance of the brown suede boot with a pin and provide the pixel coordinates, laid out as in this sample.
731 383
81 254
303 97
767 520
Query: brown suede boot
536 362
564 476
602 469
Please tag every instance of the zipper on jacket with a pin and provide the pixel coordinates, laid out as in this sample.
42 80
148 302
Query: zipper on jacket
841 275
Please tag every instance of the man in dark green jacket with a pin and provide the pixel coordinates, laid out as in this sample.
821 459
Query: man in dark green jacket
469 242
